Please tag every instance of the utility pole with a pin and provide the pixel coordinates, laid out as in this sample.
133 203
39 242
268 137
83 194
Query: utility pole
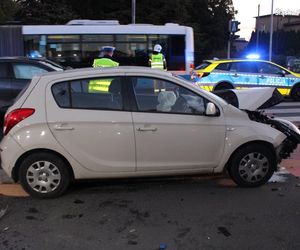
257 30
133 11
271 32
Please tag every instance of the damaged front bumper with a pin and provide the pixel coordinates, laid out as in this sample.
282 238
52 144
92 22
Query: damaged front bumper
286 127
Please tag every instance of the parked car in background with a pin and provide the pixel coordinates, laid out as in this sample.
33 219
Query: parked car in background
17 72
241 73
146 123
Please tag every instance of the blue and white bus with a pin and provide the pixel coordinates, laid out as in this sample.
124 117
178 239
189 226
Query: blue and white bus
77 43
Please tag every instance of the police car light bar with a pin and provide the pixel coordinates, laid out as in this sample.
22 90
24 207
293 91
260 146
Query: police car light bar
253 56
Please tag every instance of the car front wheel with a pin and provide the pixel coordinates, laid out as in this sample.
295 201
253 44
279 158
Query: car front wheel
44 175
252 165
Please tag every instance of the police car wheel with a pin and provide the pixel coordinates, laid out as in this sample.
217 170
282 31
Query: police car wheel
295 94
44 175
252 165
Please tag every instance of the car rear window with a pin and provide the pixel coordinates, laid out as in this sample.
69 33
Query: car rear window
223 66
203 65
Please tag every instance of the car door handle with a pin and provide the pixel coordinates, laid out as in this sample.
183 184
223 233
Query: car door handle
262 77
62 127
147 129
235 75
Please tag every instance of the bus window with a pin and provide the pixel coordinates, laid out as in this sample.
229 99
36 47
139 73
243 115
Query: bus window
79 45
131 54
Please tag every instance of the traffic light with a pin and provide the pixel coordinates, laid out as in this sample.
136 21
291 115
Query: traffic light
234 26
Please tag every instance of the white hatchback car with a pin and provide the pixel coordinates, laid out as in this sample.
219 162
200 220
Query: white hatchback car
130 122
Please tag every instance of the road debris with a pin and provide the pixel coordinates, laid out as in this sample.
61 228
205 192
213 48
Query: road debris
3 211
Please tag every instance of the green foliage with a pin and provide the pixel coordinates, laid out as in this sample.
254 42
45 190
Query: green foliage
7 10
44 12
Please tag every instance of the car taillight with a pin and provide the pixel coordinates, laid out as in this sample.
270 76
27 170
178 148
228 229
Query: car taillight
202 74
14 117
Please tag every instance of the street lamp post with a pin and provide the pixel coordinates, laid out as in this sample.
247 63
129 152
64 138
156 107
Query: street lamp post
133 11
257 30
271 32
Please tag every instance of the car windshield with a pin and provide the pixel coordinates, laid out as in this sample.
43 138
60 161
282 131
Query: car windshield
52 65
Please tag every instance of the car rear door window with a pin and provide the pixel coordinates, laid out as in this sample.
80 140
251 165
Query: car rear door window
27 71
244 67
99 93
157 95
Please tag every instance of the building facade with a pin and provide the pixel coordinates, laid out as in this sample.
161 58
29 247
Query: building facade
280 22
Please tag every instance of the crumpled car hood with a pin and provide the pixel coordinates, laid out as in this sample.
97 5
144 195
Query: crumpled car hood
251 99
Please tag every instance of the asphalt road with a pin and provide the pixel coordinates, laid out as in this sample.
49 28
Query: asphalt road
183 213
286 110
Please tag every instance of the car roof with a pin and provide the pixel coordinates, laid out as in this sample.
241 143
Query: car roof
235 60
84 72
37 60
23 58
27 59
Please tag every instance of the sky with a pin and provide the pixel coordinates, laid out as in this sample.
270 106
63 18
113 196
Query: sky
248 9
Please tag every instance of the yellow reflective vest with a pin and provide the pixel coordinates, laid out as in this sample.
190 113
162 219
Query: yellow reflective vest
101 85
157 61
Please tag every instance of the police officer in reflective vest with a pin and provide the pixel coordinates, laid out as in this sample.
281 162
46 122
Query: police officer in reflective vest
106 59
102 85
157 59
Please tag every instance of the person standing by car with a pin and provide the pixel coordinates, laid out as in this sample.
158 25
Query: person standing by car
106 59
157 59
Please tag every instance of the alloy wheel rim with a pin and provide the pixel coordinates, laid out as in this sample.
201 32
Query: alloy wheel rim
253 167
43 177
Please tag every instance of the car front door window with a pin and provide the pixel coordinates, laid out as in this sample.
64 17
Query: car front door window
156 95
271 75
267 68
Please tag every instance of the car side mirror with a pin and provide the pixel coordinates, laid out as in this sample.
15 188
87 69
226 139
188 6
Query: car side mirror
211 109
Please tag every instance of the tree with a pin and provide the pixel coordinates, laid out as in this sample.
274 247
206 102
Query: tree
44 11
7 10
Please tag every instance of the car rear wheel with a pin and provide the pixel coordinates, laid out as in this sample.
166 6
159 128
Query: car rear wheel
295 94
252 165
44 175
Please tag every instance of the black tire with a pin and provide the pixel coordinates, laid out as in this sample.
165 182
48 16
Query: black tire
295 94
252 165
51 177
223 86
